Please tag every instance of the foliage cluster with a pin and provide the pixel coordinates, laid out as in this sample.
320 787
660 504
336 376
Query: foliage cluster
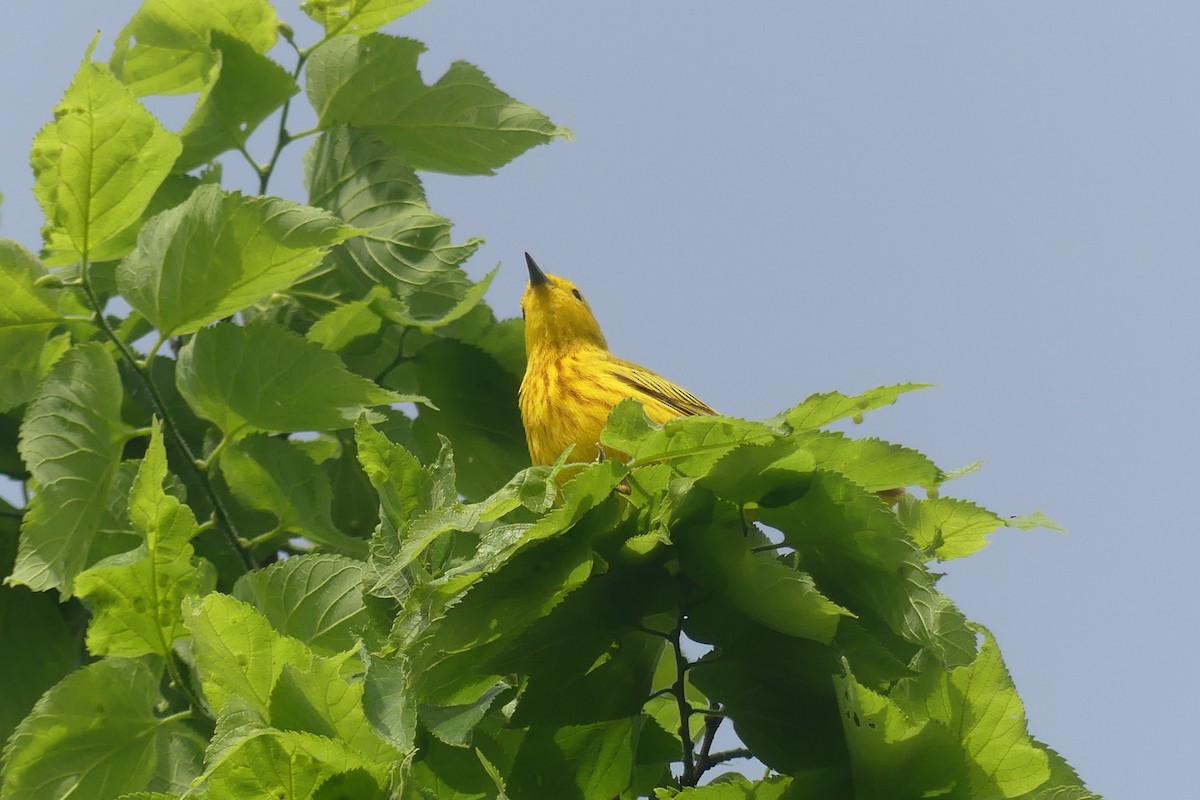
281 537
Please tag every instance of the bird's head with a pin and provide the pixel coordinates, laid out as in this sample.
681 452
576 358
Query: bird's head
556 315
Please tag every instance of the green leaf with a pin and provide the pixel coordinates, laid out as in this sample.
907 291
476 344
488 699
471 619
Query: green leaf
94 734
265 378
357 16
461 125
948 528
238 654
715 553
320 700
273 475
406 247
243 89
71 441
272 763
99 163
857 551
821 409
872 463
590 762
348 322
896 754
387 703
476 409
587 660
41 649
979 704
314 598
164 49
135 597
1037 519
219 252
689 444
397 311
775 688
774 788
27 316
499 607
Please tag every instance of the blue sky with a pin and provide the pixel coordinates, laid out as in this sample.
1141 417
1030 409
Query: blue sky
1000 199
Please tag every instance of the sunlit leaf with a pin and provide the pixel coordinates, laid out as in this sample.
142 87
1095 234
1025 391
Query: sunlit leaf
265 378
27 315
98 164
462 124
357 16
135 597
164 49
94 734
71 441
219 252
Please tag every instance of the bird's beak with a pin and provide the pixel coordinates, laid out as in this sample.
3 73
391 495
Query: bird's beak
536 276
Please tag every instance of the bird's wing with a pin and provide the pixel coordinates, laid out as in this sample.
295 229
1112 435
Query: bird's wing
642 381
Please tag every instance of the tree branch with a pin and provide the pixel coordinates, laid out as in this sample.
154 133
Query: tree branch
169 426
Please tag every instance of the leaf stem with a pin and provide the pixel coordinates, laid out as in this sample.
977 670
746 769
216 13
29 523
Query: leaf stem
169 425
283 137
183 688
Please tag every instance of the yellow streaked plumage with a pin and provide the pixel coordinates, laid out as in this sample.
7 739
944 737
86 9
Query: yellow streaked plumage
571 379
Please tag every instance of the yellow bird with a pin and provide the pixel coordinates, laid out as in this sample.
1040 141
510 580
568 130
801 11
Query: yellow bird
571 379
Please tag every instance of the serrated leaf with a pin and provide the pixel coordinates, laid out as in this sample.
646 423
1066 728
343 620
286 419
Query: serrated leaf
272 763
585 761
895 754
219 252
348 322
164 49
71 442
238 654
42 649
872 463
27 316
387 701
856 550
947 527
461 125
98 164
715 553
476 409
135 597
498 607
243 88
314 598
273 475
94 734
407 248
1027 522
689 444
775 787
264 378
979 705
823 408
397 310
359 17
775 689
321 700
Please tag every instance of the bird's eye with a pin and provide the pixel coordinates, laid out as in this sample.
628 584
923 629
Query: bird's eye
578 296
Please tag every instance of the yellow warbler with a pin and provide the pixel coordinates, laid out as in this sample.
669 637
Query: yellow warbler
571 379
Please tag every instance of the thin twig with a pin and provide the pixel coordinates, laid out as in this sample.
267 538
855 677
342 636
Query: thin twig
679 689
705 761
172 430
